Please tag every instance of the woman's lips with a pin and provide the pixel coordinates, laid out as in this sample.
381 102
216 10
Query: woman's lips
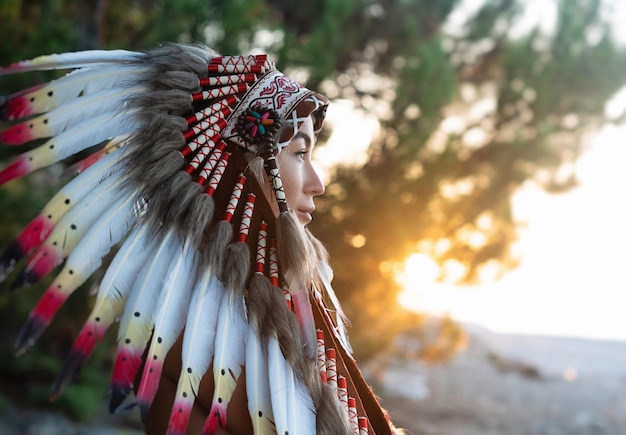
304 216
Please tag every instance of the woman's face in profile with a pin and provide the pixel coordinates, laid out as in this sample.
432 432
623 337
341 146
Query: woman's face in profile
300 179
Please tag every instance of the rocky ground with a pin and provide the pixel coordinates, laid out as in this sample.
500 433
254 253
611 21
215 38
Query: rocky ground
498 385
513 385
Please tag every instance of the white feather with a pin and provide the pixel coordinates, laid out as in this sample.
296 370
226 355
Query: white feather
302 411
69 195
230 346
201 326
198 346
70 60
76 84
289 395
107 231
80 137
72 228
169 320
76 222
123 270
174 298
257 385
278 370
144 295
72 113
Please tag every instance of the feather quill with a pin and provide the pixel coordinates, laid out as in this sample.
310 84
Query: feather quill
138 320
169 320
230 344
325 274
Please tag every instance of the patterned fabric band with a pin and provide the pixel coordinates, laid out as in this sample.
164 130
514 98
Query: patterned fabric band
282 101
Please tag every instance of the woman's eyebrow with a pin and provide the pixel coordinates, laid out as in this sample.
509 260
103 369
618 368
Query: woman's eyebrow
305 137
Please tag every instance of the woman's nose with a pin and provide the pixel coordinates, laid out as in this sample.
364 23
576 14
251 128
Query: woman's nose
314 185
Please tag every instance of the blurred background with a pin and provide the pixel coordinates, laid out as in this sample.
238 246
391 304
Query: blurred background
473 157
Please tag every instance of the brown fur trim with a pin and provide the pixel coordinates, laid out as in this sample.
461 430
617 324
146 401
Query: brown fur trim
153 162
199 215
236 265
213 251
331 419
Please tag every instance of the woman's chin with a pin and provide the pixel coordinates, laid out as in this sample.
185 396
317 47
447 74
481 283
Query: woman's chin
304 217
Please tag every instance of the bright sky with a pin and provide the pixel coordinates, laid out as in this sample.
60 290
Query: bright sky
571 280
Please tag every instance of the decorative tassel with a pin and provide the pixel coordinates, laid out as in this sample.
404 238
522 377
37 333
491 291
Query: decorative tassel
363 426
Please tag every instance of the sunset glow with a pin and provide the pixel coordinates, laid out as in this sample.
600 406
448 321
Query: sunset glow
569 281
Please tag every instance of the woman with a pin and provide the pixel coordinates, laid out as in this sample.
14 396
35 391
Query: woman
203 184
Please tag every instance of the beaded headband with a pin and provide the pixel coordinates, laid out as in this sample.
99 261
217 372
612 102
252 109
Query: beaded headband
247 102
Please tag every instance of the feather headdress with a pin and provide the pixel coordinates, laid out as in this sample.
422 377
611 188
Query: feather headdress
172 135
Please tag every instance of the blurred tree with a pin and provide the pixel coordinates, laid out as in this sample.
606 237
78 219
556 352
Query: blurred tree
469 107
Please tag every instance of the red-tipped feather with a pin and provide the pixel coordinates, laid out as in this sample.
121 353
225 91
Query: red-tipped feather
39 319
17 168
19 105
179 417
90 335
149 386
34 233
17 134
40 264
24 244
85 163
127 363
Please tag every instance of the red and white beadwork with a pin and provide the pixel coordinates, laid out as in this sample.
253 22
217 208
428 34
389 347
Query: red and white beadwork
244 226
261 248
